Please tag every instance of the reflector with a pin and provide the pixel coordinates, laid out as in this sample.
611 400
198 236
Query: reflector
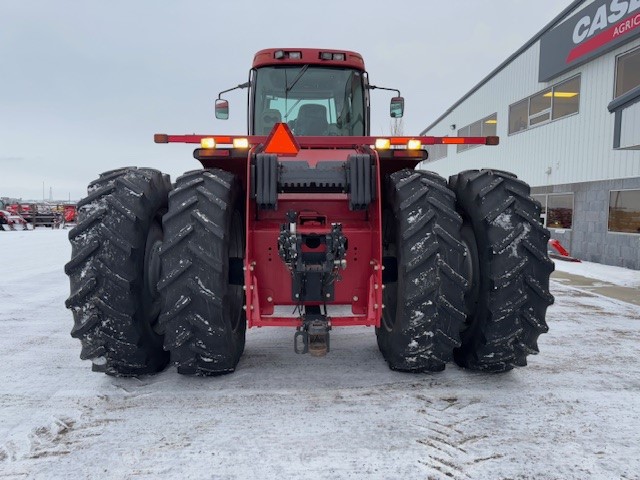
281 141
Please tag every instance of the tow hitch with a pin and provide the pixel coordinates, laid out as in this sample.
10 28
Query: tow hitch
313 336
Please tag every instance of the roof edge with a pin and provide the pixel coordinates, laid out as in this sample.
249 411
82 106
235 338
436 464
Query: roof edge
504 64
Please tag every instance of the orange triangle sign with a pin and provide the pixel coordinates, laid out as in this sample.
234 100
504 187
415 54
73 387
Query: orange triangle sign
281 141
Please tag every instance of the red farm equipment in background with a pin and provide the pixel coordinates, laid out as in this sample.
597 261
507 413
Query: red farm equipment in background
308 222
12 221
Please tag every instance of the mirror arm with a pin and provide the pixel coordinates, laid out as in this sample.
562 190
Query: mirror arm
373 87
242 85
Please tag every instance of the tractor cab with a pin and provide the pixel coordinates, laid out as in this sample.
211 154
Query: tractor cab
315 92
311 100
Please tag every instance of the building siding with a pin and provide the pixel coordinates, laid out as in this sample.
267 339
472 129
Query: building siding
578 148
573 154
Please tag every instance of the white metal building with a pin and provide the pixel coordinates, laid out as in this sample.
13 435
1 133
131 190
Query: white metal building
567 109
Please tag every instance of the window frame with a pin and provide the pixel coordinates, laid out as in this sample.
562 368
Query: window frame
615 73
553 103
620 103
613 232
573 209
525 103
541 113
550 89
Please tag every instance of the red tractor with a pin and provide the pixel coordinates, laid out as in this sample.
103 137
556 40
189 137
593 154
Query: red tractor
308 222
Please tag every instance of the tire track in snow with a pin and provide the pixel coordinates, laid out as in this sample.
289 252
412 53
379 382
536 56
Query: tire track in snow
50 438
448 448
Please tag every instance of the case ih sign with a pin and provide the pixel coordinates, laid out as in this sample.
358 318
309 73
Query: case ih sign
594 30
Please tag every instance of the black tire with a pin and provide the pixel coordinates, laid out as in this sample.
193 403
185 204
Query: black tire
507 302
203 318
424 302
113 272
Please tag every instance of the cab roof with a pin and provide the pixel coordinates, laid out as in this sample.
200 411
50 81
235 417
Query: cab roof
308 56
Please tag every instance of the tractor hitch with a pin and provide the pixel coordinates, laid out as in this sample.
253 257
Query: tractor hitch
313 259
313 336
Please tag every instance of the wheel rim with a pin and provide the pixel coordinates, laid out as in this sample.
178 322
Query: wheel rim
471 270
151 298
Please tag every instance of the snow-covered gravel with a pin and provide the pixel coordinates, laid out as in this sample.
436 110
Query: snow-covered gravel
573 413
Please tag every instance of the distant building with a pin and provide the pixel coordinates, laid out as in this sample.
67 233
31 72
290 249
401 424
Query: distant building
567 109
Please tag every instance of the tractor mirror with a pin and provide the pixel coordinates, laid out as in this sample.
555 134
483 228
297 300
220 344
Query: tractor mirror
222 109
397 107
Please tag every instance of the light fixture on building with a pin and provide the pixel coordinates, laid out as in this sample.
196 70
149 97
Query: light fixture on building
561 94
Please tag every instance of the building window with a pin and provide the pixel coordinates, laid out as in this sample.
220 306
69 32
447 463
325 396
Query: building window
490 126
626 104
487 127
540 108
624 211
560 210
518 116
627 72
550 104
566 98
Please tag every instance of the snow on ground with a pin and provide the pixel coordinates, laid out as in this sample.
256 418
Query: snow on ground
623 277
573 413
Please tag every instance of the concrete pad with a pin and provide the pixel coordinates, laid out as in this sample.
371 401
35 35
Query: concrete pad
625 294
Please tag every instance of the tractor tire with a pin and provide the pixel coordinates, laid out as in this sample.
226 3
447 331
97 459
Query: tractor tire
114 270
424 297
203 319
509 270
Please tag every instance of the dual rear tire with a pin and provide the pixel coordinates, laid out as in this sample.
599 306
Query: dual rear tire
114 256
472 279
424 301
509 273
149 273
203 320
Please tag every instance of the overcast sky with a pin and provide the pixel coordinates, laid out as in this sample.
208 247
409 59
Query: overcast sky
84 85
